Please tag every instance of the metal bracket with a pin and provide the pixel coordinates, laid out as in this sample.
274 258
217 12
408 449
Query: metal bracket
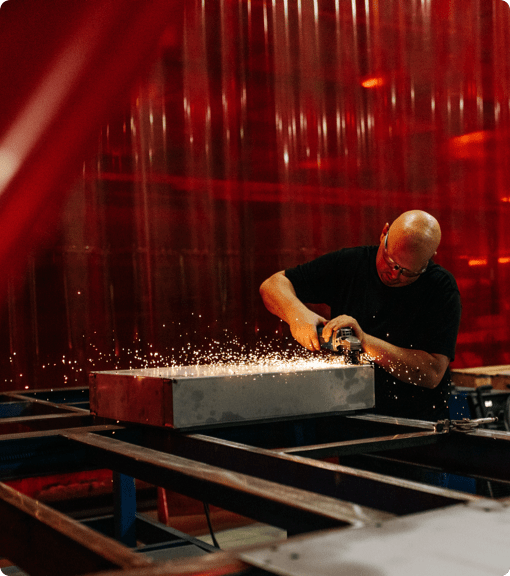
464 425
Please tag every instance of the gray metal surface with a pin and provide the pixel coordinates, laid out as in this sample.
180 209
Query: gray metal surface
464 540
189 397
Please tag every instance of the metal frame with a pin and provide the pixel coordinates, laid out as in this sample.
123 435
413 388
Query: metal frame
325 473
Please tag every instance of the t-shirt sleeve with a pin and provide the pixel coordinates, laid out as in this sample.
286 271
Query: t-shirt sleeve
314 281
442 326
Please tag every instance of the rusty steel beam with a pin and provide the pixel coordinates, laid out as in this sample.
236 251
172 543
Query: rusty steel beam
64 396
56 433
45 452
280 505
378 419
478 454
32 408
392 495
364 445
217 564
46 422
57 407
44 542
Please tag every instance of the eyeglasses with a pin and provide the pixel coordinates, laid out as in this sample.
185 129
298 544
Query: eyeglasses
394 266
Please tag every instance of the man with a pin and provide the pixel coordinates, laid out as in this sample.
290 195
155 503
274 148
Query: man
404 308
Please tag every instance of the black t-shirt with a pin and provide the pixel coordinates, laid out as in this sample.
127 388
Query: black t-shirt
424 315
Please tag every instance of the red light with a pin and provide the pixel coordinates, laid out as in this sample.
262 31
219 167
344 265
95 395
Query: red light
374 82
477 262
483 261
471 138
471 145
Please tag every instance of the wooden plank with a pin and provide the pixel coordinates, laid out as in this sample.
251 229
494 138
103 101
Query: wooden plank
496 376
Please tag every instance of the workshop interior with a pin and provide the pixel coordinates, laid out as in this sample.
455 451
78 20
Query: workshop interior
159 159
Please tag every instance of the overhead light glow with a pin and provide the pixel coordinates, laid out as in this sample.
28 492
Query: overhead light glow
484 262
472 138
477 262
374 82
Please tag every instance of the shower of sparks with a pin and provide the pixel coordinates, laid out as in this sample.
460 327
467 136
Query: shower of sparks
196 355
216 358
221 362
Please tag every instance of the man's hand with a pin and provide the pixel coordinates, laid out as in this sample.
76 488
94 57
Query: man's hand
343 321
304 329
280 298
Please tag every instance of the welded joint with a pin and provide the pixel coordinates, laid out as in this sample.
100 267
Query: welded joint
464 425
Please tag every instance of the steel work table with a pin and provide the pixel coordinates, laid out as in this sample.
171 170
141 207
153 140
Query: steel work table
357 478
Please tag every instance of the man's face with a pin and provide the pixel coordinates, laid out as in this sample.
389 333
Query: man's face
396 265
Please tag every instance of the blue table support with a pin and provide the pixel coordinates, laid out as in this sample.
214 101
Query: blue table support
124 509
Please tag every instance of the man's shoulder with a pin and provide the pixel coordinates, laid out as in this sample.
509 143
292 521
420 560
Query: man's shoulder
438 275
334 266
354 253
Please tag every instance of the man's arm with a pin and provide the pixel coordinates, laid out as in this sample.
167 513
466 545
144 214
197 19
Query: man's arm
280 299
413 366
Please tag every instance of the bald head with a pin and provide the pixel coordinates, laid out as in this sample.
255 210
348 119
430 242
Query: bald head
418 232
409 243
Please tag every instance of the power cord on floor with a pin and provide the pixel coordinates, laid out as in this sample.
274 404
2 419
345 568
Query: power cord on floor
211 531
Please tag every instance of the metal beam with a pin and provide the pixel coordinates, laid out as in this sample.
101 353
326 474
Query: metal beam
364 445
150 532
218 564
478 454
45 422
377 419
391 495
279 505
66 396
46 452
124 492
38 404
45 542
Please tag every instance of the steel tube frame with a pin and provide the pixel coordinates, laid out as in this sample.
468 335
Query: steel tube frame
293 509
375 491
478 454
46 422
364 445
287 487
32 533
217 564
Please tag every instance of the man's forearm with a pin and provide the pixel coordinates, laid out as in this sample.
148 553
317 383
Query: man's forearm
280 299
413 366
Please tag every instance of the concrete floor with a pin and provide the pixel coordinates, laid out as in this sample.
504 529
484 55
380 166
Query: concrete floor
227 539
246 536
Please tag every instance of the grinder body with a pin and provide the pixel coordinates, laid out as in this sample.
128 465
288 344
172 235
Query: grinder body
343 342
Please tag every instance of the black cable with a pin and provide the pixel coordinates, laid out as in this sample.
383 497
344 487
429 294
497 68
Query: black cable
208 517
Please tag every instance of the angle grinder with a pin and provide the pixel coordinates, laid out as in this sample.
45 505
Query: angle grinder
343 342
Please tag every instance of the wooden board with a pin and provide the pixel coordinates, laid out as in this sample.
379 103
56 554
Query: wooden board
496 376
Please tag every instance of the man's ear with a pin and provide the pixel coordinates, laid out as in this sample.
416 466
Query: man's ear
384 231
